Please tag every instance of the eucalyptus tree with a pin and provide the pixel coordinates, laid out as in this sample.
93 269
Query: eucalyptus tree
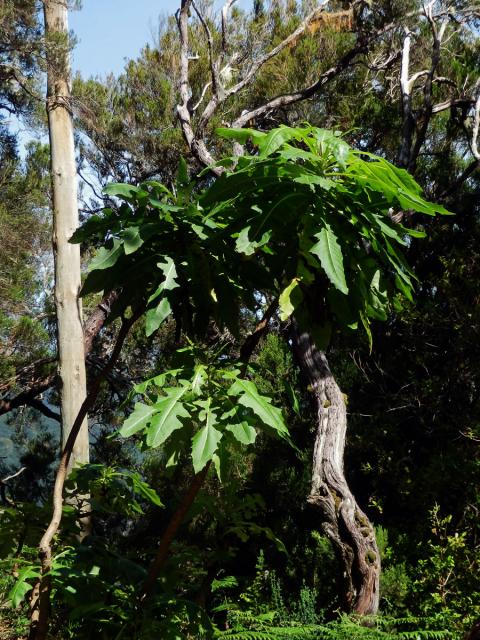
71 351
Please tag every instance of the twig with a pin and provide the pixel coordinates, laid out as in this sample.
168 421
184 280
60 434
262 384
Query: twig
302 94
225 10
3 482
37 386
40 601
476 127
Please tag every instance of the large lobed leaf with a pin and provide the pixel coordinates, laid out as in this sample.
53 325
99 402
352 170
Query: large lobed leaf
248 396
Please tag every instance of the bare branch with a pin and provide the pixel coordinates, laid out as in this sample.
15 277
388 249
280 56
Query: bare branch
416 76
453 187
34 382
37 404
476 127
197 146
225 10
87 182
14 475
202 96
302 94
216 84
452 102
255 67
3 483
40 602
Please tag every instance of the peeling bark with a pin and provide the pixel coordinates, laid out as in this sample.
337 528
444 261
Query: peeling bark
345 524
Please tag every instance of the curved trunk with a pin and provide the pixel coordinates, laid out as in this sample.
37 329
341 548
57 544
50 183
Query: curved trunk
345 524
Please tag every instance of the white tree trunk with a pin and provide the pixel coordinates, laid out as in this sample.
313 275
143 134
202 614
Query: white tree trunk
71 354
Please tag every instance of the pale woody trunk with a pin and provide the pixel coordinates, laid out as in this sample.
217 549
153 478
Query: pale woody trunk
65 221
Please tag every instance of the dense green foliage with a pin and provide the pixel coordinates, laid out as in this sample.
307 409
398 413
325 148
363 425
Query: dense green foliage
306 220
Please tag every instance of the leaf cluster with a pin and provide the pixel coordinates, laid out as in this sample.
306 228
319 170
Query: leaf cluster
210 404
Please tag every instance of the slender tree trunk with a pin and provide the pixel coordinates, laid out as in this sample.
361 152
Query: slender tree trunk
345 524
71 354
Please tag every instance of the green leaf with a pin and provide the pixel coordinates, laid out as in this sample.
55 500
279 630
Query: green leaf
22 587
248 247
248 396
168 410
403 287
242 135
414 233
106 258
330 255
141 488
182 173
199 378
243 432
127 191
137 420
155 317
368 331
292 396
312 178
289 299
131 239
205 442
170 273
228 582
274 139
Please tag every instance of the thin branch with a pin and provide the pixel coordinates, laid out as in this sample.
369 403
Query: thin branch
97 195
472 167
253 339
476 127
255 67
11 477
35 387
27 397
225 10
37 404
202 96
198 146
3 482
171 531
216 84
176 520
302 94
453 102
40 602
408 125
97 319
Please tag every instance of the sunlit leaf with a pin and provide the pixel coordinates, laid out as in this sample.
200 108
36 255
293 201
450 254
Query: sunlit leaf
248 396
168 411
328 250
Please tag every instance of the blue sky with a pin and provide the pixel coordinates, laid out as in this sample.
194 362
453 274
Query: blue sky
108 31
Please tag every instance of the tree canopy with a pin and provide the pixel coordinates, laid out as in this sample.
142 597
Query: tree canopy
279 235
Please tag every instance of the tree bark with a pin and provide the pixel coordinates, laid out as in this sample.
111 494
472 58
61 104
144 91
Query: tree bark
345 524
71 354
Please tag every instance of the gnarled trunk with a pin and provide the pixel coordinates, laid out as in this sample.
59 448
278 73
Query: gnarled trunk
345 524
